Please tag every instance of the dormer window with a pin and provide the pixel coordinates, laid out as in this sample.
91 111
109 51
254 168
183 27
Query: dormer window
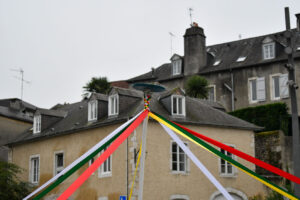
176 67
113 105
269 51
92 110
178 105
37 124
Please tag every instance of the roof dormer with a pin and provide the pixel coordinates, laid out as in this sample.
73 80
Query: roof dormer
37 121
176 64
174 102
268 48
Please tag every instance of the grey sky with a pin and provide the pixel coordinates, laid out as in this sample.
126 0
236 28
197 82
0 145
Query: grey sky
61 44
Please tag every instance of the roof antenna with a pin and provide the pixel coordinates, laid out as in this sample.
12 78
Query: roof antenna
191 15
21 71
171 40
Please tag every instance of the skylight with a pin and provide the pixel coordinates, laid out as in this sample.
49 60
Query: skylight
298 48
217 62
241 59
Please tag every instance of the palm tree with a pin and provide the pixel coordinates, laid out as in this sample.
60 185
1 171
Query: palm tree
196 87
98 85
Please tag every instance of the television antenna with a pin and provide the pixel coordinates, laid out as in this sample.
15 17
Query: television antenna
171 40
21 71
191 15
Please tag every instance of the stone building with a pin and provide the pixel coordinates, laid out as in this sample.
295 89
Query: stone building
15 117
243 73
71 129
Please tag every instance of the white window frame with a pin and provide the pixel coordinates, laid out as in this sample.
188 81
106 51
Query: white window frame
55 167
93 110
101 173
176 67
177 105
234 170
272 86
102 198
37 123
268 50
250 94
113 99
186 160
31 173
214 89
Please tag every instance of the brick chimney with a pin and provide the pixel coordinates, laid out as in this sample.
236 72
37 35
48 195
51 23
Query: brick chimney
194 50
298 21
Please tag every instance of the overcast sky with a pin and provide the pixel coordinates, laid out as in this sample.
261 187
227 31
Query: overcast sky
61 44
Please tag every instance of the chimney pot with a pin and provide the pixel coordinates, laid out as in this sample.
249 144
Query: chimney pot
298 21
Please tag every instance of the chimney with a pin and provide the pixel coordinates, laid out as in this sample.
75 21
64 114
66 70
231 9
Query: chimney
194 50
298 21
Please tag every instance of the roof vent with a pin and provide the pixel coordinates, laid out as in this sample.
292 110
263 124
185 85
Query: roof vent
241 59
217 62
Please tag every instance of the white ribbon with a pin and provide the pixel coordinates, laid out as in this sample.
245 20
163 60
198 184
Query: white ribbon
198 163
86 154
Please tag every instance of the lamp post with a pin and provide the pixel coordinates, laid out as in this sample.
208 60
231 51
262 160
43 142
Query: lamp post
289 50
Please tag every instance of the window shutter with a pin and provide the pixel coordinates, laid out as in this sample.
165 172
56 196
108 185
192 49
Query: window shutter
283 83
261 93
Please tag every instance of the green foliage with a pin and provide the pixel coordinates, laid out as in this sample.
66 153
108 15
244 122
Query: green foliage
196 87
98 85
271 116
11 188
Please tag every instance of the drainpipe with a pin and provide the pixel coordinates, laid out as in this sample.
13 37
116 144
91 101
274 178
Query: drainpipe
232 91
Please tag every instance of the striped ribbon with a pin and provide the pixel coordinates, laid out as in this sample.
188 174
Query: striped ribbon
74 166
114 145
197 162
211 149
147 101
244 156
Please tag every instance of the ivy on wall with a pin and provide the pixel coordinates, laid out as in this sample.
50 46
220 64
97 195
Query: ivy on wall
270 116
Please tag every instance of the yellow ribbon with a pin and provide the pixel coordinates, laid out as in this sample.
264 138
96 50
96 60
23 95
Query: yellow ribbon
136 167
182 134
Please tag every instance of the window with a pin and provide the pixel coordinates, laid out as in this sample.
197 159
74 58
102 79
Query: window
34 173
58 162
176 66
179 159
105 169
178 105
257 90
113 104
217 62
279 86
211 93
37 124
269 51
241 59
226 168
92 110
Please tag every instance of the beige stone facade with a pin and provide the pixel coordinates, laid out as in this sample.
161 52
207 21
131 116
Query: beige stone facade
160 181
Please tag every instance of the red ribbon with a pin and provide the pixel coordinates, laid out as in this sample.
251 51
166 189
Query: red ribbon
245 156
89 171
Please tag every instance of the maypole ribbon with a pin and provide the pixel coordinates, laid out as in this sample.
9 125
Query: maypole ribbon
147 101
211 149
244 156
70 169
136 168
87 173
197 162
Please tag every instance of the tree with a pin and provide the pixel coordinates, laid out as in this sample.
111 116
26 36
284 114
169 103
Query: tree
196 87
98 85
11 187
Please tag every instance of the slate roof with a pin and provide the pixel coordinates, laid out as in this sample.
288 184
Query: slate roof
228 53
76 118
14 114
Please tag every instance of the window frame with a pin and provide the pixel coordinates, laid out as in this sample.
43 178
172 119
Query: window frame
234 170
186 160
177 105
272 86
37 123
55 168
93 110
101 173
31 175
116 105
176 67
250 93
267 56
214 89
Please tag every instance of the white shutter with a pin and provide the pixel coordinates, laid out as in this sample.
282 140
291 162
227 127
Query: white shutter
284 88
261 93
